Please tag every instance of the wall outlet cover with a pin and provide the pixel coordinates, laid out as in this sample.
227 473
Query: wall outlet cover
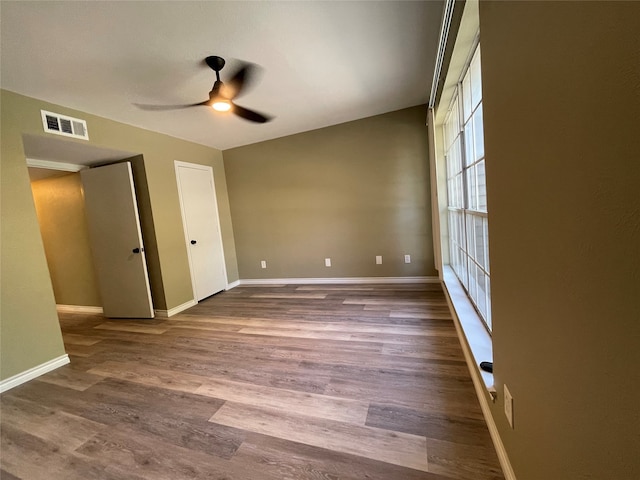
508 406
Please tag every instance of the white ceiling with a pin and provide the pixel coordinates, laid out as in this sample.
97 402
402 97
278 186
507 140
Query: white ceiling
322 63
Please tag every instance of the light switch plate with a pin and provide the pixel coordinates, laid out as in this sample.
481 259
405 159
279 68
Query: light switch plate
508 406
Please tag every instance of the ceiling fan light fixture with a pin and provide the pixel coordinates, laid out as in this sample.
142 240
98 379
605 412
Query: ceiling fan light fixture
221 105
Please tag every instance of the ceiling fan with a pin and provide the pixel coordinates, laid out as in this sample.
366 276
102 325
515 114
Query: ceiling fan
222 94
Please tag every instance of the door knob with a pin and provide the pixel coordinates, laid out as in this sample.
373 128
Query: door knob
136 250
193 242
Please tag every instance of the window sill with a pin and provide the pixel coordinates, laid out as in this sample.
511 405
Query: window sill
473 334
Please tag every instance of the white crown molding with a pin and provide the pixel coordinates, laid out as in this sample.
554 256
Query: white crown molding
51 165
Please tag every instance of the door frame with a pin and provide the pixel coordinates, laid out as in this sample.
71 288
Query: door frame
205 168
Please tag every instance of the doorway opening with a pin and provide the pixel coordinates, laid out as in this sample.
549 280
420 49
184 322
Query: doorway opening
54 166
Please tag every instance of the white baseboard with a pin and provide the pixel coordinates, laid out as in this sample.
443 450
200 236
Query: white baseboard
339 280
34 372
482 389
233 284
479 385
175 310
78 309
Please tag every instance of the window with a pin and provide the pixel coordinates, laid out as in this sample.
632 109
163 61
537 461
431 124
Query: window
466 189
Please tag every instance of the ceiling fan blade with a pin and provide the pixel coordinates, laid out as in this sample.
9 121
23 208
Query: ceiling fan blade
250 115
241 81
156 108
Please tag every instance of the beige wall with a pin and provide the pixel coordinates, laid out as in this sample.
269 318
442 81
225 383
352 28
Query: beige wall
61 216
561 85
30 331
348 192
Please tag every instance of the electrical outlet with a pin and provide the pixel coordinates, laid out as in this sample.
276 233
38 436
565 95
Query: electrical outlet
263 263
407 259
378 259
508 405
327 262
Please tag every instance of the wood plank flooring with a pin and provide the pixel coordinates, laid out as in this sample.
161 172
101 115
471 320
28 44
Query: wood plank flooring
299 382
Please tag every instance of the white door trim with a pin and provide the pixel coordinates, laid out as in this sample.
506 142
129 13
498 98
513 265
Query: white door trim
205 168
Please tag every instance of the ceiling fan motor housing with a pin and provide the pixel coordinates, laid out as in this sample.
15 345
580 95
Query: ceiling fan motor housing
215 63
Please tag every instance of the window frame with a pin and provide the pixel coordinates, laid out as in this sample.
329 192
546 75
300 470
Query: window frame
465 205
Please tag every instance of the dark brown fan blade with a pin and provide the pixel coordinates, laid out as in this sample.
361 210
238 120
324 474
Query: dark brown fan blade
240 81
250 115
144 106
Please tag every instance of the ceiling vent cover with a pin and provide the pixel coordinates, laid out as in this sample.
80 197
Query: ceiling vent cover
63 125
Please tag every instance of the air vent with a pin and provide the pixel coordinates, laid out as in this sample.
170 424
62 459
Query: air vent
63 125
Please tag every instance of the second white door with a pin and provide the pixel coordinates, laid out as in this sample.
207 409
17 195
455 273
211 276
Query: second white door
202 228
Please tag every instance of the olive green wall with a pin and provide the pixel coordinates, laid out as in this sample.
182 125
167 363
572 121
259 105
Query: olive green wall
561 86
30 330
61 216
348 192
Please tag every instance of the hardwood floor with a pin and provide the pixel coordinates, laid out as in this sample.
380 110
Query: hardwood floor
258 383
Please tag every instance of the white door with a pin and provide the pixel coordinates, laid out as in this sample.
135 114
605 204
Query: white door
201 228
116 241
